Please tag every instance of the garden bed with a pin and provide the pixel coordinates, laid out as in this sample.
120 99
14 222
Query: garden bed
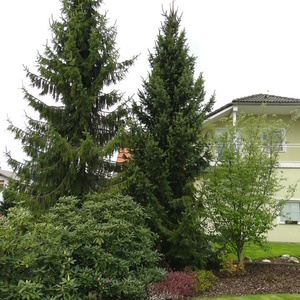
260 278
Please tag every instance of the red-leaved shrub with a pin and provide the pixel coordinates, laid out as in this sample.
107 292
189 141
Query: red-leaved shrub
177 285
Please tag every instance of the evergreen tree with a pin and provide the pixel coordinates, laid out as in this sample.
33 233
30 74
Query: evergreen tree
168 150
67 146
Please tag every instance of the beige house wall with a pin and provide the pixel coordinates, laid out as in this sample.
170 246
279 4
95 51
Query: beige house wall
292 153
292 176
290 168
285 234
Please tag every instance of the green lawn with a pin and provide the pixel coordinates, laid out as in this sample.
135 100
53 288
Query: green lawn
256 297
274 250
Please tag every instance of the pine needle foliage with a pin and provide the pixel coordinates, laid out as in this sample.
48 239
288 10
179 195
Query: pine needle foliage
67 145
167 149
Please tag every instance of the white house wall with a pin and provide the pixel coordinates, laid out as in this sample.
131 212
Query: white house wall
5 181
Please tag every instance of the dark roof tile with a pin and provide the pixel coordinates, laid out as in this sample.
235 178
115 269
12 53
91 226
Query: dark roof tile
265 98
257 99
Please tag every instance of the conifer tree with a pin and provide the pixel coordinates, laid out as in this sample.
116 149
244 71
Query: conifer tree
168 150
67 146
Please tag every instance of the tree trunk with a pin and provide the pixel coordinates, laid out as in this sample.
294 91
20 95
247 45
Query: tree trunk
239 257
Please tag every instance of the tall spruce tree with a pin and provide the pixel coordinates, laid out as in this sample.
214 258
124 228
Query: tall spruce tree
67 146
167 148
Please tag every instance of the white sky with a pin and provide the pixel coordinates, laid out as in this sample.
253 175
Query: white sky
243 47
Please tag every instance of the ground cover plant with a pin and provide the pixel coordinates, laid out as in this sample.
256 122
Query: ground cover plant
181 285
177 285
98 249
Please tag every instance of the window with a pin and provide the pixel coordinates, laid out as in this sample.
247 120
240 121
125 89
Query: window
219 146
290 212
275 138
1 182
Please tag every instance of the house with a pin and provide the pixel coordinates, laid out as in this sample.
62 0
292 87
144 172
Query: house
123 157
289 157
5 176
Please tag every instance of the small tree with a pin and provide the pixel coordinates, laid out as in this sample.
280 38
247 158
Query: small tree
238 191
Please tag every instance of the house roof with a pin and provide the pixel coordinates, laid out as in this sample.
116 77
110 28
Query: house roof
7 174
265 98
259 99
280 105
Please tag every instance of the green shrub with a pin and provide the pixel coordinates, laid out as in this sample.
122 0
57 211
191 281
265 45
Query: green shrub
203 280
100 248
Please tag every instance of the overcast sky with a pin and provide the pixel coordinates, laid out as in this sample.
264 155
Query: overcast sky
243 47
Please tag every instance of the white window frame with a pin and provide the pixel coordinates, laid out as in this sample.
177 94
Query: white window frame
218 132
283 143
281 218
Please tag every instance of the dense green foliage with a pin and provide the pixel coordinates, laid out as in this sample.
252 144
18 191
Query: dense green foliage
203 280
99 249
239 190
67 146
167 149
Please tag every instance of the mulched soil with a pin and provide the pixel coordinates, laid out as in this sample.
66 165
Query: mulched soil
260 278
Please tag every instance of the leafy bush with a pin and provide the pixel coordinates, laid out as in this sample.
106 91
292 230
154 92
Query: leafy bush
230 268
203 280
177 285
97 249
